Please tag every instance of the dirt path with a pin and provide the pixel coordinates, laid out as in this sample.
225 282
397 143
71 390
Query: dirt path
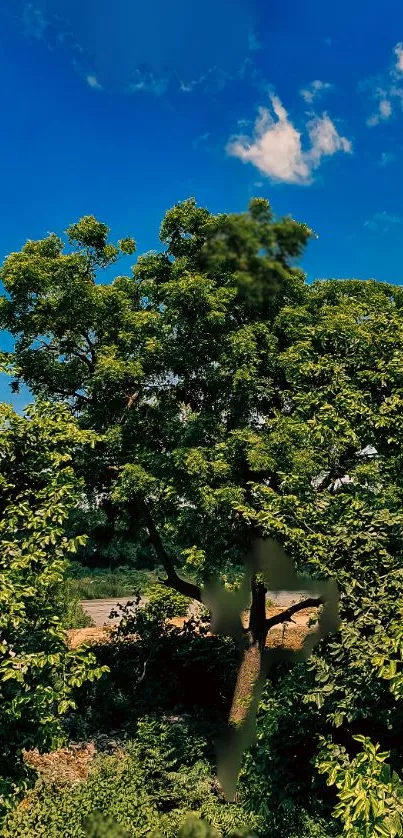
100 609
288 635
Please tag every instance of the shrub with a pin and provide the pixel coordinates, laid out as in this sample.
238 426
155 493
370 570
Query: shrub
37 671
152 786
370 793
74 616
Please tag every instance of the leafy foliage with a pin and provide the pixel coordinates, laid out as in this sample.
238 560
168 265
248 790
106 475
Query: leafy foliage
74 616
37 671
235 399
151 786
370 794
164 669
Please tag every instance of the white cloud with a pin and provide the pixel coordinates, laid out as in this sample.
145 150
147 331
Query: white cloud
386 89
276 148
383 112
385 108
325 139
382 221
93 82
314 90
398 50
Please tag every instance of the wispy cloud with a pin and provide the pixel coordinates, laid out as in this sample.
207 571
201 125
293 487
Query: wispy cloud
93 82
314 90
253 42
386 158
243 123
382 221
398 50
201 140
147 82
383 112
34 21
276 148
386 89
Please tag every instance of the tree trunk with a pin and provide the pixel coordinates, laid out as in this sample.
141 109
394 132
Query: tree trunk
242 717
251 664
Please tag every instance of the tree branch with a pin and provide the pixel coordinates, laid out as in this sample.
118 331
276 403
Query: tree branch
286 616
131 400
82 357
72 394
50 347
173 580
91 347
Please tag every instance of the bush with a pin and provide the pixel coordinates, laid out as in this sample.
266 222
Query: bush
74 616
37 670
151 786
166 668
370 794
98 825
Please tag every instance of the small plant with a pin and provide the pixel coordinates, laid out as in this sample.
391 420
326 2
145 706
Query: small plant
74 616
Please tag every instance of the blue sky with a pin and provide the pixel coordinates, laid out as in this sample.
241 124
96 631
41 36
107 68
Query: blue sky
121 109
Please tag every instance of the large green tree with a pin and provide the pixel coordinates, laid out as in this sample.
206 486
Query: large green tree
235 401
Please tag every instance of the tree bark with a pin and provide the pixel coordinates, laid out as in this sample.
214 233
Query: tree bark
256 661
251 664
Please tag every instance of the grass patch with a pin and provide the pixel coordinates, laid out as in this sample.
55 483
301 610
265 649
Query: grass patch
108 584
74 616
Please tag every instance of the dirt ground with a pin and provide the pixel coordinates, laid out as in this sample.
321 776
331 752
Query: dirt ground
288 635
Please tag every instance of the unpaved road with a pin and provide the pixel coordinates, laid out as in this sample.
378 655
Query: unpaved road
100 609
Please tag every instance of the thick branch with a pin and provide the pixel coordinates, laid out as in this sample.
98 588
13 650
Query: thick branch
77 353
173 580
84 358
51 347
72 394
286 616
338 470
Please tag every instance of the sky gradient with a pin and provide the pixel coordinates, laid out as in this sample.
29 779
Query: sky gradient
123 109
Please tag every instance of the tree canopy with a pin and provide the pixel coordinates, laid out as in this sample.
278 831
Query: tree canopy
234 401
